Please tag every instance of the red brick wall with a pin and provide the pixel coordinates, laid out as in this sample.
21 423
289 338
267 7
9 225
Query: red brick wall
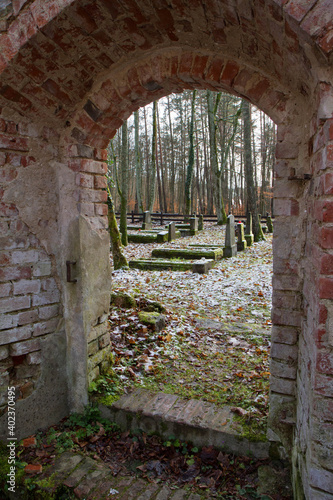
29 294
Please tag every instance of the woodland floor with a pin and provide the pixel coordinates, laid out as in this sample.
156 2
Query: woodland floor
216 342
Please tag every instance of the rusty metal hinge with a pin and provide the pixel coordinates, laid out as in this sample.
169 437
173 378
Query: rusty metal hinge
70 265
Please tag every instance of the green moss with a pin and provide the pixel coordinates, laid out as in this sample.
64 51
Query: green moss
108 400
142 238
148 318
188 253
154 305
163 426
159 265
122 299
252 429
107 388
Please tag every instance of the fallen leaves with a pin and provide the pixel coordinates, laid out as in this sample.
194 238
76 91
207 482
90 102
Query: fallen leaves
231 358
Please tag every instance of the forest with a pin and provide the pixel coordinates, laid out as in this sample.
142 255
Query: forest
198 151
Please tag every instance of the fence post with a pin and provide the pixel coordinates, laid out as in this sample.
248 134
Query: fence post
162 219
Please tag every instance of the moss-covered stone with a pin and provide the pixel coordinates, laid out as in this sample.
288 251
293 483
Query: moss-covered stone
154 306
142 238
122 299
249 239
160 264
162 237
184 233
200 223
269 224
152 319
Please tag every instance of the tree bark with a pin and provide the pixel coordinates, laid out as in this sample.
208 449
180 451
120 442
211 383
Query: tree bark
173 174
217 172
153 162
138 173
124 184
119 259
249 177
189 170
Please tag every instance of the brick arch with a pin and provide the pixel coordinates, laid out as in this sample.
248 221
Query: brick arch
23 19
117 96
71 74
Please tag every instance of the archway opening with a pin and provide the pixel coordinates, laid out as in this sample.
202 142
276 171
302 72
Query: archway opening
71 75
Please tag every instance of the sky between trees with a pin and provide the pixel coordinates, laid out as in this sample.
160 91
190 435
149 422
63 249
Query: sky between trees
194 152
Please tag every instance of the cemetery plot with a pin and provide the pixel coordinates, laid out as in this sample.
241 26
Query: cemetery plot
196 266
187 253
215 345
154 235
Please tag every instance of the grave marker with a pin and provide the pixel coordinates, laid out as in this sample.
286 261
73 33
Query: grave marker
194 224
249 237
171 231
269 224
230 249
146 222
241 241
201 223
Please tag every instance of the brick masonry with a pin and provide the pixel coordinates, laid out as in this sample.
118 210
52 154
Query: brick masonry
199 422
71 72
93 480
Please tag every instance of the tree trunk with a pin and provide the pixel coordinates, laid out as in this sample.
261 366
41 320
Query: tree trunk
124 183
248 166
220 210
153 163
173 174
138 173
119 259
148 180
163 201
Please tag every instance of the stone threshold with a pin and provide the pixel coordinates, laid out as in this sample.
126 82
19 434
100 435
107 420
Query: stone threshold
196 421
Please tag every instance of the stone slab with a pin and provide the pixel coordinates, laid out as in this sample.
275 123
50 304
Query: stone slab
241 246
142 237
199 266
162 236
187 253
199 422
249 238
230 251
160 265
202 266
204 245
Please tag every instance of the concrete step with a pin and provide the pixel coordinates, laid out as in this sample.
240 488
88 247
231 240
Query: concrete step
197 421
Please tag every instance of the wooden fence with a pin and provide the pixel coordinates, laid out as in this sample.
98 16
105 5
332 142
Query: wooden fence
162 218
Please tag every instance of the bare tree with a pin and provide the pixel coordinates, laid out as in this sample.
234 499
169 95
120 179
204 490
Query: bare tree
249 174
